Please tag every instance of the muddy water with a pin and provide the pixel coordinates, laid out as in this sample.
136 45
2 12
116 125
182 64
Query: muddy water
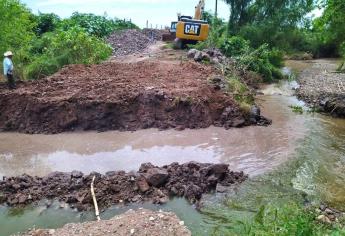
251 149
300 152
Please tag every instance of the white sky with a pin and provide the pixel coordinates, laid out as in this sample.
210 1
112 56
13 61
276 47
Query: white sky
157 12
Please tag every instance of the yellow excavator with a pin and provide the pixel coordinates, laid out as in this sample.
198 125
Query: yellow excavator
191 30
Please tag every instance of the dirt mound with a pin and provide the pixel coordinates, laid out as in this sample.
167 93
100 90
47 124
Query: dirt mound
140 222
120 96
128 42
150 183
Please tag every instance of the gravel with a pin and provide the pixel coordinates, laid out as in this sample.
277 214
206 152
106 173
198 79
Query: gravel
128 42
141 222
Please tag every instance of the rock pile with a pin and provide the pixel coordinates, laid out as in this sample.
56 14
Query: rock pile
212 55
150 183
139 222
128 42
329 215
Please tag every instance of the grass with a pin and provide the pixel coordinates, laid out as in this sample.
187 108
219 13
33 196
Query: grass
297 109
288 219
241 93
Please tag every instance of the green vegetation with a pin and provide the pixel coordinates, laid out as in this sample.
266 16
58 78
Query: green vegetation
262 60
297 109
285 220
43 43
59 48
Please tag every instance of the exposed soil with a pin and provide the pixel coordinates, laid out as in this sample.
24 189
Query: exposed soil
141 222
121 96
323 88
150 183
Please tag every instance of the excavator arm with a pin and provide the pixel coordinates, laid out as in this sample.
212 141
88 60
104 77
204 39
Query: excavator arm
199 10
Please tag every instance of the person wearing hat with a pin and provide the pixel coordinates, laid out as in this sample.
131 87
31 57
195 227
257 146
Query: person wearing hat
8 70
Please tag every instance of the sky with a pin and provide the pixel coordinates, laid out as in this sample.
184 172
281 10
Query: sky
156 12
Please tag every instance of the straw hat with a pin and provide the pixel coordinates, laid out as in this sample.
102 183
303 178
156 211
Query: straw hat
8 53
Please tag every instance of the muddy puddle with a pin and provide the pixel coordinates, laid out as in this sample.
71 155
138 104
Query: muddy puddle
298 153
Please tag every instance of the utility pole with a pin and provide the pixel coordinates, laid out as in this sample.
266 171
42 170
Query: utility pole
216 11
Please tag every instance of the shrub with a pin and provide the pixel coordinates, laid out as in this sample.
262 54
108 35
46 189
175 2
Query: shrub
60 48
235 46
47 23
100 26
260 61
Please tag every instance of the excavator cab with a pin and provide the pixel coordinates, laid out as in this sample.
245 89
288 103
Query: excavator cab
191 30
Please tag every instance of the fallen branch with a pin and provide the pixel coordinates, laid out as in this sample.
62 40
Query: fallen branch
94 199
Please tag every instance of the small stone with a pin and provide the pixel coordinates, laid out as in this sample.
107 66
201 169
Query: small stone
51 231
181 223
151 219
328 211
324 219
132 231
221 189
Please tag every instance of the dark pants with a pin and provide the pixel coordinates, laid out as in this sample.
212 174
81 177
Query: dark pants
10 81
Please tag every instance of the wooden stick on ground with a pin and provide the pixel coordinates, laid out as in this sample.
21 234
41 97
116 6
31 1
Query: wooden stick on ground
94 199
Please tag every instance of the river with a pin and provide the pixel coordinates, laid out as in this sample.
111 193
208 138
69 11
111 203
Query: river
298 153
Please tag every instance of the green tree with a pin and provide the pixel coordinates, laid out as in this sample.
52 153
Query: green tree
276 22
238 14
330 27
16 31
47 23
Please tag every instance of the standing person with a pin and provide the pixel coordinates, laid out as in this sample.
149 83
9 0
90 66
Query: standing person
8 70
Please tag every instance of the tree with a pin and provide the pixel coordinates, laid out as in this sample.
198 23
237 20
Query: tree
275 22
16 25
331 24
47 23
238 14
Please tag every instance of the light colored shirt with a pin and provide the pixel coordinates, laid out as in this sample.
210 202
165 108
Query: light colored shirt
8 66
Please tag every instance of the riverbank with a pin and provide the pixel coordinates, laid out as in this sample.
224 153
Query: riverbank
164 90
322 88
139 222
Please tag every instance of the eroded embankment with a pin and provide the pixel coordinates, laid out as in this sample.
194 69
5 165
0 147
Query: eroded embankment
323 88
150 183
120 96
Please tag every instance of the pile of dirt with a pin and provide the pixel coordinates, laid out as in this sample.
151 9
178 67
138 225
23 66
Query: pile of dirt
121 96
141 222
322 88
130 41
150 183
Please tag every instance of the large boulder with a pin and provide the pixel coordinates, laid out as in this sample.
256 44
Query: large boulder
156 176
218 170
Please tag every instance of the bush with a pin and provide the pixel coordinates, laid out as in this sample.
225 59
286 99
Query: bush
235 46
60 48
100 26
47 23
263 61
